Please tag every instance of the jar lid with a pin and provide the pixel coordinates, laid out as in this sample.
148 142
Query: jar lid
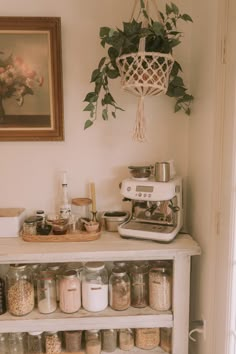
70 274
94 265
18 266
33 219
119 271
35 333
46 275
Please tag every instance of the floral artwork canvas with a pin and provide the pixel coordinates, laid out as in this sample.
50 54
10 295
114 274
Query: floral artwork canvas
30 92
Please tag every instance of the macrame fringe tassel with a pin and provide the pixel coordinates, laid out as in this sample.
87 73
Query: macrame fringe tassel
140 123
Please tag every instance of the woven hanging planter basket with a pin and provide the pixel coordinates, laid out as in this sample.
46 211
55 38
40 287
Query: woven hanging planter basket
144 74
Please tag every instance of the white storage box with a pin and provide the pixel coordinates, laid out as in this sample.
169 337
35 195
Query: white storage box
11 220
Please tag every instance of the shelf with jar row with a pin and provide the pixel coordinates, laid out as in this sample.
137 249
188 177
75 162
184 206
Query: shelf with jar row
109 247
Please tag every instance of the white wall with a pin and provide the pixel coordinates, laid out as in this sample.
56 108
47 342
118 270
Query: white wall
29 170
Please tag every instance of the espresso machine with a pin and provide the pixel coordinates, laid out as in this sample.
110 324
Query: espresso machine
157 211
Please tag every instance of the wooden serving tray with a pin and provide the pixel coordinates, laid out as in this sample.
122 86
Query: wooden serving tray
79 236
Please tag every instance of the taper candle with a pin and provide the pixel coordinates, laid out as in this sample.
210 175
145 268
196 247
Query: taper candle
93 196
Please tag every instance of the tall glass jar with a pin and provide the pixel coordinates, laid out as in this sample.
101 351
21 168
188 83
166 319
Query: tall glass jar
16 343
4 343
166 339
53 343
72 341
93 341
119 289
35 343
139 284
126 339
160 289
69 292
57 269
109 340
147 338
46 292
20 290
95 286
3 305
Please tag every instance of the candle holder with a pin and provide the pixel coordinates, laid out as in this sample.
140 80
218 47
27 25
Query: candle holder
94 215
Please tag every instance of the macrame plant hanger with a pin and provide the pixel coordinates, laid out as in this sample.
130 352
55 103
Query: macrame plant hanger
144 73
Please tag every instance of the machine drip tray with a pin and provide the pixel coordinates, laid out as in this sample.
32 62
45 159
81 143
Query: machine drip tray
148 227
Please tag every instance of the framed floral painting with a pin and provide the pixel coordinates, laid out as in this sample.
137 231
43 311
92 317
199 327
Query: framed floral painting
31 93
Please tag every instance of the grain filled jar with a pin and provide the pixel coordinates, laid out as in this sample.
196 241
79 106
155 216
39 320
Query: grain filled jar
72 341
35 343
16 343
20 290
46 292
109 340
126 339
4 344
95 286
93 341
119 289
160 289
147 338
69 292
139 284
53 343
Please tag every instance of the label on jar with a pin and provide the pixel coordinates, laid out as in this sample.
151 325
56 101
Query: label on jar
94 296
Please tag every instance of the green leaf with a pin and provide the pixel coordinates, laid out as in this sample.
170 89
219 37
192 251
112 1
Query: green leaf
101 63
142 4
104 31
188 111
174 42
112 74
89 107
95 75
158 29
88 124
186 18
177 107
168 9
105 114
177 81
179 91
175 9
113 114
91 97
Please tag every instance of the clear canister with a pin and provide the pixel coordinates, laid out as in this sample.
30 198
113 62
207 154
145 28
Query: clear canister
20 290
72 341
4 343
160 289
57 269
93 342
166 339
16 343
126 339
95 286
30 225
69 292
35 343
53 343
147 338
46 292
139 284
109 340
119 289
77 266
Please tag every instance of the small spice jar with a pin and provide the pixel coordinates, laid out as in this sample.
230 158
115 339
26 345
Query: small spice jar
126 339
93 342
139 284
109 340
35 343
4 344
3 306
30 225
72 341
16 343
166 339
69 290
160 289
53 343
147 338
95 286
119 289
46 292
20 290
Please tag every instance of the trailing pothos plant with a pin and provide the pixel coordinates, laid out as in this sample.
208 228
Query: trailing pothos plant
160 36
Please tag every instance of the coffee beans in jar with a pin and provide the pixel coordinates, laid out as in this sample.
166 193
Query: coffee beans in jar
119 289
160 289
20 290
53 343
147 338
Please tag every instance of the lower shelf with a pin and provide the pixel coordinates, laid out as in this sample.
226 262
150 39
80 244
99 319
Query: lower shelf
82 320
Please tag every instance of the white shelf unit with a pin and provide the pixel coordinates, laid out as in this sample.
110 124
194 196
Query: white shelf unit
109 247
